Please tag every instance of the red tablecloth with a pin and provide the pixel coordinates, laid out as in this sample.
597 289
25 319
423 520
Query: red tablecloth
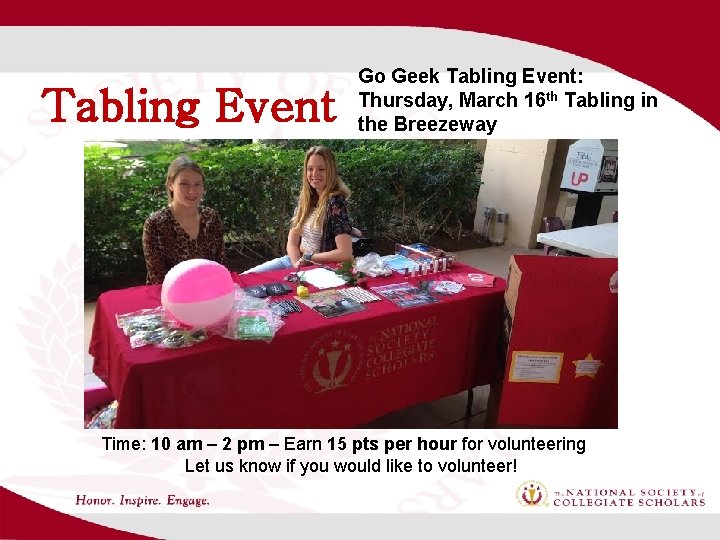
386 358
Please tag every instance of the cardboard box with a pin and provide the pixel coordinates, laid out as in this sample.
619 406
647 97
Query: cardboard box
513 286
560 367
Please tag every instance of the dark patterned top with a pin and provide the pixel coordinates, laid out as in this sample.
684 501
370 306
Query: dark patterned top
166 243
337 221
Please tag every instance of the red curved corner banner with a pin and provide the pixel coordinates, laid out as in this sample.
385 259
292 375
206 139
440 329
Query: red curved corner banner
672 49
27 520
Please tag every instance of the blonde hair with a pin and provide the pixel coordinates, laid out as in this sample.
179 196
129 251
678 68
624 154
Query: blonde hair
309 200
178 165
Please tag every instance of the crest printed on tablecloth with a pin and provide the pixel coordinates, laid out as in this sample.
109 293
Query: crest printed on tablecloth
332 361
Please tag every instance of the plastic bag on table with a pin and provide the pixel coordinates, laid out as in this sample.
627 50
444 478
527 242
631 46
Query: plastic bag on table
372 265
103 418
178 338
169 338
144 320
259 324
244 300
157 327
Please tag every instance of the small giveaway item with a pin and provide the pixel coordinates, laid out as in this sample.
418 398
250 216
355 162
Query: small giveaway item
267 289
285 307
473 279
372 265
444 287
253 326
359 295
422 253
252 318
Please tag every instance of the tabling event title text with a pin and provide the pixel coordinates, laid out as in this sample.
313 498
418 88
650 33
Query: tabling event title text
559 88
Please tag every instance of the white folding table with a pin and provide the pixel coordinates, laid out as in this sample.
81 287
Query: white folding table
593 241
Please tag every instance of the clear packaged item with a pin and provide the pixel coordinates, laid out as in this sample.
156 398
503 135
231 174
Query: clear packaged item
253 318
372 265
178 339
423 254
156 327
285 307
253 325
444 287
144 320
169 338
104 418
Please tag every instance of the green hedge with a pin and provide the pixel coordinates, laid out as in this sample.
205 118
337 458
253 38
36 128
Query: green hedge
401 190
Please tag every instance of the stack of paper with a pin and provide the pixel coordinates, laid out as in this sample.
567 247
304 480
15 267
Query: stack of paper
322 278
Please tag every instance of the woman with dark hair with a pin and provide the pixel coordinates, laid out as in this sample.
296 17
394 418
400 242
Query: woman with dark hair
184 229
320 231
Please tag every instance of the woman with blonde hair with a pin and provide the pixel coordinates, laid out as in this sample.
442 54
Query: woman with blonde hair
320 231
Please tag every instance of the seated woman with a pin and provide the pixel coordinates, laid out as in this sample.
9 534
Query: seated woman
320 230
183 229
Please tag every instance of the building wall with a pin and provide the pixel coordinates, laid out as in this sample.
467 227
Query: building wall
557 202
522 178
515 179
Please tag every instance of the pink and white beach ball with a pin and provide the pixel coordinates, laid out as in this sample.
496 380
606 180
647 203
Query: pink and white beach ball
198 292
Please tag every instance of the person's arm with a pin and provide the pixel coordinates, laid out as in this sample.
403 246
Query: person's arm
342 253
338 227
152 248
293 246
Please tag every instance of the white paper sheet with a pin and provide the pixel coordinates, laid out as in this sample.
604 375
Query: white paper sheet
322 278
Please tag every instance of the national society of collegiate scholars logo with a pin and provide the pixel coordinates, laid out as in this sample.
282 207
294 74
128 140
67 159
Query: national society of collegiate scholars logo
332 361
532 493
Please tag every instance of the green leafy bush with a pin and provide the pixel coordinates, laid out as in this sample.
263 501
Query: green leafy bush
109 233
404 190
254 187
411 190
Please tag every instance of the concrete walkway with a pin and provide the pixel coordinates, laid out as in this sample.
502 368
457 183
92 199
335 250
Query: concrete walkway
494 260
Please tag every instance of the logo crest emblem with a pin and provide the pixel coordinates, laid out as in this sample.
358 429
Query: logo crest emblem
532 493
332 361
